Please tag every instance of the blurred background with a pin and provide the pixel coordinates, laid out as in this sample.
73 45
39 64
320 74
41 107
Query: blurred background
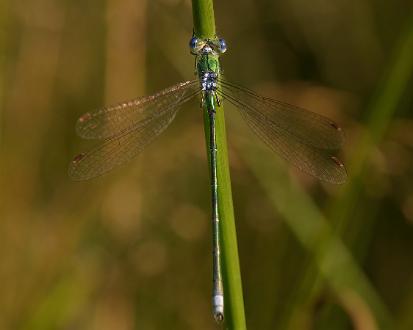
132 250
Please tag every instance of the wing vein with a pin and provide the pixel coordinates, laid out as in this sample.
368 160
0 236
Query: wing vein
307 158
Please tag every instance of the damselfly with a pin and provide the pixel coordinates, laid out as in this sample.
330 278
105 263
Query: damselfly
305 139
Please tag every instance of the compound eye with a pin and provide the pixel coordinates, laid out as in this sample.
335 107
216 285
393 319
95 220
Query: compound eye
194 45
222 46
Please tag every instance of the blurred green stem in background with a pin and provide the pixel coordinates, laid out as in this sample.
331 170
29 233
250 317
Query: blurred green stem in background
381 111
204 27
353 223
334 262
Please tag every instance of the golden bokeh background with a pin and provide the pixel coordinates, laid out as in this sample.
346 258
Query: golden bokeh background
131 250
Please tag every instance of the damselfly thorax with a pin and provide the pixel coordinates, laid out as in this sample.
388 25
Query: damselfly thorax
207 52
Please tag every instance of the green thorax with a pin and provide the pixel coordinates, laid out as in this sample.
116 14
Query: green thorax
205 63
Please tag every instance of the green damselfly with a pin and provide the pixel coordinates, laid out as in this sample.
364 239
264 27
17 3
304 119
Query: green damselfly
305 139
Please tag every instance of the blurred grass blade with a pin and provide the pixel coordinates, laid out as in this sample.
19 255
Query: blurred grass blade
352 220
381 111
334 262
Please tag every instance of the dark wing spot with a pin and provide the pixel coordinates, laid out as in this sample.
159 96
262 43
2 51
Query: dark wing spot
87 116
78 158
337 161
334 125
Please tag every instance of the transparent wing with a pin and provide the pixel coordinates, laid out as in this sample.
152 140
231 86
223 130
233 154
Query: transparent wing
117 119
121 148
308 127
303 138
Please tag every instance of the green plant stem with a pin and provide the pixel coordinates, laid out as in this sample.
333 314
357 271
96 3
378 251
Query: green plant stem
204 27
204 20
